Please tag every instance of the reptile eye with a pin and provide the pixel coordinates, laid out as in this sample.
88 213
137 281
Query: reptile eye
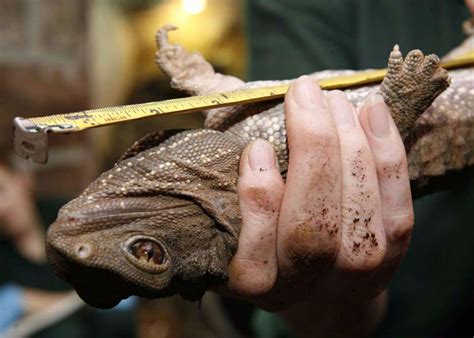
148 252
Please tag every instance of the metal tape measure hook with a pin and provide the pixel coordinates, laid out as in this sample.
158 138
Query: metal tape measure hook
30 140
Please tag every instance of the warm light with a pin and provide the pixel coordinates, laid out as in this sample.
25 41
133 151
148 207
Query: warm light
194 6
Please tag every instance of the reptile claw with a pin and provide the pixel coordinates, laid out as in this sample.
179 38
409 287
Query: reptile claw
161 36
411 85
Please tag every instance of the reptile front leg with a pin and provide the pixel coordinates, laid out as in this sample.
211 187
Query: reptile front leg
438 142
191 73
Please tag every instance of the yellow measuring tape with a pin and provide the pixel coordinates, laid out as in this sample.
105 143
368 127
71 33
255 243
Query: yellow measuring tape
31 133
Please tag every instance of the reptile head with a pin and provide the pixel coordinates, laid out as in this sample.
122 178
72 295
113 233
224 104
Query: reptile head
163 221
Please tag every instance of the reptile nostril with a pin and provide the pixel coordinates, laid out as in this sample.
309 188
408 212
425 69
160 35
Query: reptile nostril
83 250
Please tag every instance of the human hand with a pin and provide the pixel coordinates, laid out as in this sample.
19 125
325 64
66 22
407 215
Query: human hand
335 232
17 302
19 221
470 5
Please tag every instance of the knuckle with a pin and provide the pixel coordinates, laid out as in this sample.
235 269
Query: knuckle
250 278
354 143
307 245
392 166
311 137
264 194
399 227
327 139
357 154
364 254
394 155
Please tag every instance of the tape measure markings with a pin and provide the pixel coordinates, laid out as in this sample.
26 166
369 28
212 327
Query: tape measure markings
29 142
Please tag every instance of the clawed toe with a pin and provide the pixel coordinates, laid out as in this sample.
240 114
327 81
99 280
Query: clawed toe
189 72
413 61
411 85
430 64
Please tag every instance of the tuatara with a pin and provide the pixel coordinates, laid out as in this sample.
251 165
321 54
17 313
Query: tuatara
165 219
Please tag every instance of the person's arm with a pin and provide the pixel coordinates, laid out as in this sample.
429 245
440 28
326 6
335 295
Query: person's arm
321 247
19 220
336 318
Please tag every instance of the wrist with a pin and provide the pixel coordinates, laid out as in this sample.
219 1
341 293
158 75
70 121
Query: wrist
341 318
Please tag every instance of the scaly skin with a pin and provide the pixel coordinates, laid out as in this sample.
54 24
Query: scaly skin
165 219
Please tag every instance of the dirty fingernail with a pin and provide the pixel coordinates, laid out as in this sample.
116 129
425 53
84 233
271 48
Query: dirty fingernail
341 109
378 116
307 93
261 156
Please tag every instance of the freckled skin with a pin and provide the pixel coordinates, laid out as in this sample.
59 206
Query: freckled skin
179 191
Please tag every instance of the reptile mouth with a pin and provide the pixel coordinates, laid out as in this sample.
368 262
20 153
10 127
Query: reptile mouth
110 213
127 208
97 287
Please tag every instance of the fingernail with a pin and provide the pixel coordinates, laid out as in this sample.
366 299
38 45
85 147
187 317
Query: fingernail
378 116
261 156
307 93
341 109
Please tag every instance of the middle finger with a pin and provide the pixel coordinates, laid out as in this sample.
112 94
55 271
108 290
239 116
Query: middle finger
308 231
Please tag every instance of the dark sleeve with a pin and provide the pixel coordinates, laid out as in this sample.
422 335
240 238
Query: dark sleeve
289 38
294 37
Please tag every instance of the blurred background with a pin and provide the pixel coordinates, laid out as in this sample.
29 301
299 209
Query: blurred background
66 55
60 56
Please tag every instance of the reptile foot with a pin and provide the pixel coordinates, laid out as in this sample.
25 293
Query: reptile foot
190 72
411 85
